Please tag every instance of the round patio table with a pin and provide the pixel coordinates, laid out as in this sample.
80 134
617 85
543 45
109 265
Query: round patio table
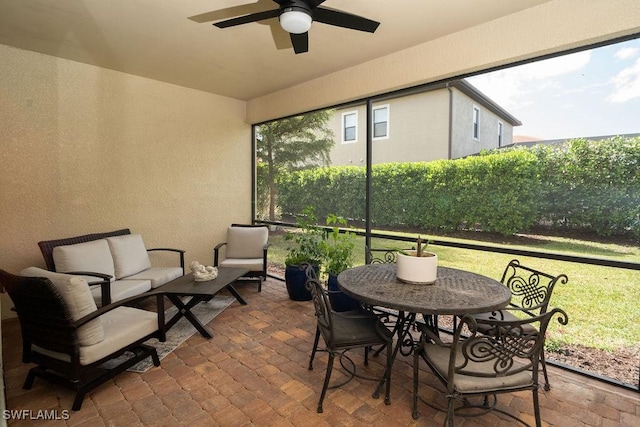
454 291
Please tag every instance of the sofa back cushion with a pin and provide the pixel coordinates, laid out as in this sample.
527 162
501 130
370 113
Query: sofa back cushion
90 256
246 242
78 299
129 255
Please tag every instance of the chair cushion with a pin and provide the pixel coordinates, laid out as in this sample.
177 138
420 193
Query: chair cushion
246 242
129 255
252 264
77 296
439 358
121 289
157 275
90 256
122 326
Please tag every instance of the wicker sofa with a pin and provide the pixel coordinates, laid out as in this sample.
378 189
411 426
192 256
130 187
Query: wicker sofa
116 264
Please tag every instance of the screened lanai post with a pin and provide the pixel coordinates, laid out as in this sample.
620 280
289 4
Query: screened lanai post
367 197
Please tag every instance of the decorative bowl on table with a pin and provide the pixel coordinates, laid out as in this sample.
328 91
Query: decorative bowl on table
203 273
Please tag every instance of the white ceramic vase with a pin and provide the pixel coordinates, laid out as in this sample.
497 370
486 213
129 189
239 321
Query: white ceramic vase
419 271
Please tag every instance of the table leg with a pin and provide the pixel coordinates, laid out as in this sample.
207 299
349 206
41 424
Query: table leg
184 310
235 293
401 329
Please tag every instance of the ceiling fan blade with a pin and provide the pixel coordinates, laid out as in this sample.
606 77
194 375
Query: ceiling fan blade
300 42
260 16
233 11
345 20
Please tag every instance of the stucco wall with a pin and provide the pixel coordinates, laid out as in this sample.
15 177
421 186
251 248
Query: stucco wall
551 27
85 149
463 143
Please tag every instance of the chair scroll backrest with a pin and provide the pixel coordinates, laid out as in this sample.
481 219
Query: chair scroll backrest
45 320
510 348
531 289
381 256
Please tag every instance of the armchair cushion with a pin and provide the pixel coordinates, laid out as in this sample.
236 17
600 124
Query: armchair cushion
252 264
129 254
76 294
246 242
92 256
439 357
122 326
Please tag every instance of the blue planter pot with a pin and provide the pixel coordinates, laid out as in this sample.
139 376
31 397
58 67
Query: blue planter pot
296 278
339 300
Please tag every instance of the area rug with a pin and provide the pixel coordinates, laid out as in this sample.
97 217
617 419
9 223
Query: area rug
179 333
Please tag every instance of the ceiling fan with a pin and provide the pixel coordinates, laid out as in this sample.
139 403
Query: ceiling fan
296 16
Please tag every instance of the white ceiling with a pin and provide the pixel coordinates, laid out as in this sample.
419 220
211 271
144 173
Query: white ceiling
174 40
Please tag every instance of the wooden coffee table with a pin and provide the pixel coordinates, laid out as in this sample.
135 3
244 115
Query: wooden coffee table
198 291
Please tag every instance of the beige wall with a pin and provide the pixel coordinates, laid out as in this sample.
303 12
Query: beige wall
551 27
85 149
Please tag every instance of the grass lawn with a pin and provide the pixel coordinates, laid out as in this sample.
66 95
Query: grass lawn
602 302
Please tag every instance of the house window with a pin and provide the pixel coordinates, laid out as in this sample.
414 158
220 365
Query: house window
381 122
349 127
476 123
500 134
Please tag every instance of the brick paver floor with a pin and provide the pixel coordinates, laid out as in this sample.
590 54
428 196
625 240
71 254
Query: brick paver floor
254 372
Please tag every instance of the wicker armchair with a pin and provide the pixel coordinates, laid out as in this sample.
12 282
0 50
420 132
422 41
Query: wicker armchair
531 292
68 338
482 365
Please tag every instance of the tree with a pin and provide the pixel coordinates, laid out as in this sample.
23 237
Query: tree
293 143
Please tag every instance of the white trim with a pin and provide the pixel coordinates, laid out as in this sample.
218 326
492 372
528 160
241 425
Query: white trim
350 141
475 129
373 125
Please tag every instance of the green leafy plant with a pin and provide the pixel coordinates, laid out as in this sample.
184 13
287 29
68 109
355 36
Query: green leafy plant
338 246
307 240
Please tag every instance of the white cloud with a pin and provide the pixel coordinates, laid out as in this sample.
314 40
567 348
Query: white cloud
627 84
512 87
626 53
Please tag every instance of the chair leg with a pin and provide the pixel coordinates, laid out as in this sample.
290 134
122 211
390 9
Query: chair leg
536 407
543 362
416 361
327 377
451 411
28 382
387 398
366 356
315 348
77 402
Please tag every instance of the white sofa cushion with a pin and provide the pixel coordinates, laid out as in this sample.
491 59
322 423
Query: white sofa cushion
92 256
122 326
77 296
121 289
129 255
157 275
246 242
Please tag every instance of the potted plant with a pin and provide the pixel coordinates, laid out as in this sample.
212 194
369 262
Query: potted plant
338 256
417 266
306 248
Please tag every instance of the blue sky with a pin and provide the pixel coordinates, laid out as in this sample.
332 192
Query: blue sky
589 93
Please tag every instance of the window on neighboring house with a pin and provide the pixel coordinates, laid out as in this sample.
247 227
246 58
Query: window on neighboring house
476 122
381 122
500 134
350 126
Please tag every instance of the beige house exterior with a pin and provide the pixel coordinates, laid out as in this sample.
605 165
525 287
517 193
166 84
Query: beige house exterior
445 121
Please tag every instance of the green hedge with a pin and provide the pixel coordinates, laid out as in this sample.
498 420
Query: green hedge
587 185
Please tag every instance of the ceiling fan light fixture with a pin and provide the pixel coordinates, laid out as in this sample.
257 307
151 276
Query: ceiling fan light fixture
295 20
